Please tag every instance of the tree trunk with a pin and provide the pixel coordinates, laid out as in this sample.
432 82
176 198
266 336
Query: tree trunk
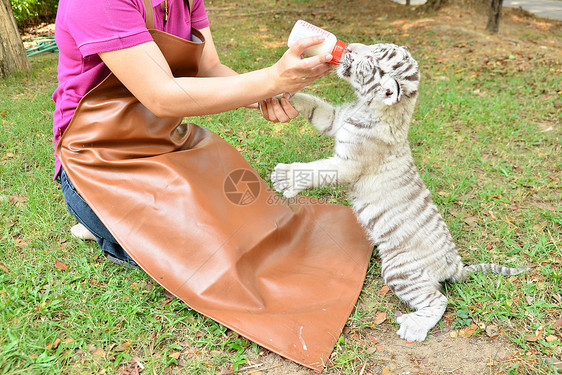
494 13
433 4
492 8
12 52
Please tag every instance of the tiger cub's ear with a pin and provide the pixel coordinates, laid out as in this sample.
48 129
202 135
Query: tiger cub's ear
391 91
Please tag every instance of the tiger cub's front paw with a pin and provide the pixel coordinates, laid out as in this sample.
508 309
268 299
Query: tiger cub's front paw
285 180
412 327
303 103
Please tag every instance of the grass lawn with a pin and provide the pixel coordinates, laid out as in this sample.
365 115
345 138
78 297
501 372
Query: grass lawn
486 138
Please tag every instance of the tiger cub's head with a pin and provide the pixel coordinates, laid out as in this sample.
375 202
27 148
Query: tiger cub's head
384 73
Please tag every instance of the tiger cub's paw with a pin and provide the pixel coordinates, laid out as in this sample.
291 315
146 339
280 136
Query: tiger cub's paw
285 181
303 103
412 327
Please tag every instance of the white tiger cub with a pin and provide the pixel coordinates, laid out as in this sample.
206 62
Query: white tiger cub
373 157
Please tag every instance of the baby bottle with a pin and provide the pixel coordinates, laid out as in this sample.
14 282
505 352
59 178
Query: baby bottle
331 44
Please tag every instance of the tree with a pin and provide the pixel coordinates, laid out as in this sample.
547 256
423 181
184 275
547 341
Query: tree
494 13
491 7
12 52
434 4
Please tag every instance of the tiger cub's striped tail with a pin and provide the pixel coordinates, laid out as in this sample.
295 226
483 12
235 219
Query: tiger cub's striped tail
494 268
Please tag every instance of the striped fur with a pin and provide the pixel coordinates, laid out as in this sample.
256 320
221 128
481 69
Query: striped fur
373 157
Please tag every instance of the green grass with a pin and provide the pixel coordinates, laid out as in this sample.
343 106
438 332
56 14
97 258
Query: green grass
481 142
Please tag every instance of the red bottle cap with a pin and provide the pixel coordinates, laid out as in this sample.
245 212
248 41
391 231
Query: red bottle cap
337 51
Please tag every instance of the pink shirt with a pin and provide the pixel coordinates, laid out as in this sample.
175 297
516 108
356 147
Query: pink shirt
86 28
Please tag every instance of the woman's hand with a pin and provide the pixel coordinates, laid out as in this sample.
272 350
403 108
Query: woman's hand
278 109
292 72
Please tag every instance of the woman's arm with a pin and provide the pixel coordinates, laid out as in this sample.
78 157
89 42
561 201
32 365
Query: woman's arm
145 72
211 66
272 109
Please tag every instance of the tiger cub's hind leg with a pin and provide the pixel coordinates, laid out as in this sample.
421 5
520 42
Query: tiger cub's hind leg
423 295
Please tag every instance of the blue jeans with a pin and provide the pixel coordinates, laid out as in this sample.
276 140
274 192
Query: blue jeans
78 207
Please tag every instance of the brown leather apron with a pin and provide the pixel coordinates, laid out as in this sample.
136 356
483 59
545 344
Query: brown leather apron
191 211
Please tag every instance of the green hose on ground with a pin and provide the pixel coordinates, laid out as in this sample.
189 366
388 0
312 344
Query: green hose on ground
40 45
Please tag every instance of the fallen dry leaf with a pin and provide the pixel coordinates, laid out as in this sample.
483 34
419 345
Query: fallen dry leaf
122 347
60 265
53 345
169 294
558 323
539 228
448 318
551 338
471 221
139 363
538 333
381 317
4 268
147 285
131 369
175 355
17 200
372 339
386 370
384 290
99 352
469 331
531 337
492 331
480 324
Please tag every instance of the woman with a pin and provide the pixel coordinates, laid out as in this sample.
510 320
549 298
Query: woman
99 37
285 276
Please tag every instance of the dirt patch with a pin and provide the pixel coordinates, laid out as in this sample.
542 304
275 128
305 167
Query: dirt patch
385 353
266 362
441 354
